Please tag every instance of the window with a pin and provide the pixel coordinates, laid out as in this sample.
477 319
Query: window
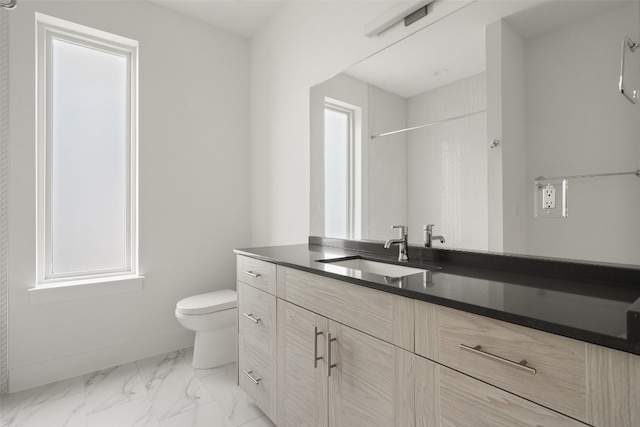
87 153
341 170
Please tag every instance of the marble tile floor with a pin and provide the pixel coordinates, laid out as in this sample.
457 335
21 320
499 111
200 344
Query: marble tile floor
161 391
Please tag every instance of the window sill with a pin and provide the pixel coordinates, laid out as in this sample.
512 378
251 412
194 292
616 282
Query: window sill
80 289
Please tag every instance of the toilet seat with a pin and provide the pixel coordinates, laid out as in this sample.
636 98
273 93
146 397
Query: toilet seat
209 302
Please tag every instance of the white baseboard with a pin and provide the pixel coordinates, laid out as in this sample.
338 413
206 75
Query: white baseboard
25 377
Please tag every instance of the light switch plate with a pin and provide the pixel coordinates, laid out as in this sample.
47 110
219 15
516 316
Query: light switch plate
550 198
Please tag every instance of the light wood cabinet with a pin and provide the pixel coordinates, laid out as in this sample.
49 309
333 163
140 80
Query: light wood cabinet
383 315
302 377
333 375
450 399
256 273
401 362
590 383
614 387
257 318
257 375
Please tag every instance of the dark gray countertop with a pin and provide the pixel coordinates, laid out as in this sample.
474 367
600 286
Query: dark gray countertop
590 311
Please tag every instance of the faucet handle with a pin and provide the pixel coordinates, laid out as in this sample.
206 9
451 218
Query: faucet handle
429 227
403 229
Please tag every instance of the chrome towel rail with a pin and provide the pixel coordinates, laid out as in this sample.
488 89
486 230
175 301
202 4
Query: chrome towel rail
593 175
631 46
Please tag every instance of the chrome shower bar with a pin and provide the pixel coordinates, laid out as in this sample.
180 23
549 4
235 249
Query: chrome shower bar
427 125
10 5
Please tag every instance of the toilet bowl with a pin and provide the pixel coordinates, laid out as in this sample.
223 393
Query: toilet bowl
213 317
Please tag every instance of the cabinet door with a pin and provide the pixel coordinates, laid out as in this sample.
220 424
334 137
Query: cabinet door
372 382
302 384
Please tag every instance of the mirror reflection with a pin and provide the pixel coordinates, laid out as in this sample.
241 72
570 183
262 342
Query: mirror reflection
455 126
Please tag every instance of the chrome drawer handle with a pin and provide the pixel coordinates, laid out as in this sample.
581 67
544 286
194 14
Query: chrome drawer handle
315 346
252 378
329 364
252 274
522 365
250 317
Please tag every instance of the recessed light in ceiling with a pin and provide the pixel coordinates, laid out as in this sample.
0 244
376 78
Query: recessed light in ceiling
440 72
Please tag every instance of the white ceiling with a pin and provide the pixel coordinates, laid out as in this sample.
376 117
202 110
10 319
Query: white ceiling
242 17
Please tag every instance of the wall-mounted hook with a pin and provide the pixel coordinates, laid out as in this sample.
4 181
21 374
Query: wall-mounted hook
494 143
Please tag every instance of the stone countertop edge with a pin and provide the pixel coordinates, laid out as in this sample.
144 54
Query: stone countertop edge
507 270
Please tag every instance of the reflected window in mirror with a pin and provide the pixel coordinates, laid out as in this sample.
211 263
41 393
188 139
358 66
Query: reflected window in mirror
342 153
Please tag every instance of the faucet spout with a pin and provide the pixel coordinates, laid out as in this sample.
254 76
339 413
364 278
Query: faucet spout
429 237
403 251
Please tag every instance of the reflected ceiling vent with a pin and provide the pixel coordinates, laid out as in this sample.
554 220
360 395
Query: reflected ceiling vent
409 11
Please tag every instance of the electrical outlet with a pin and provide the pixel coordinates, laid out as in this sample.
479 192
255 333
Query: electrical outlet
549 197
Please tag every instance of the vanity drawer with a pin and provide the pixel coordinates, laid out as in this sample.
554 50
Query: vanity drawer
257 377
465 401
383 315
554 374
257 318
257 273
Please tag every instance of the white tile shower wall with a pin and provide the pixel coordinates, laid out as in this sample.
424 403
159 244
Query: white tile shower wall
194 190
448 162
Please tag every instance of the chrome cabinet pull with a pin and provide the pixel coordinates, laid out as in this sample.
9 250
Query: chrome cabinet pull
251 273
627 44
252 378
329 364
250 317
522 365
315 346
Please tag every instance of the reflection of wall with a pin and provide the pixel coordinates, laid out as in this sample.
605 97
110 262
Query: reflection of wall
447 164
387 164
599 133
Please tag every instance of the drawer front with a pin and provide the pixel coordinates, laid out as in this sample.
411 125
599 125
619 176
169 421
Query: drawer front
384 315
553 375
257 273
466 402
257 377
257 318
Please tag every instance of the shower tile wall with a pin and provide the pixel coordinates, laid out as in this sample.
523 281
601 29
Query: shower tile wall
447 163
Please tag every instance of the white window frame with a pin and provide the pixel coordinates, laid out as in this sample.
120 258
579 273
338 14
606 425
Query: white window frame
49 28
354 161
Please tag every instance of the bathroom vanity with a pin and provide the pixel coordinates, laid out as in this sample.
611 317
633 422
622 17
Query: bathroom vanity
469 339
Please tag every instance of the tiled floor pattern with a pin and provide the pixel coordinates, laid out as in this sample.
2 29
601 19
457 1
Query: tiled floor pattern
161 391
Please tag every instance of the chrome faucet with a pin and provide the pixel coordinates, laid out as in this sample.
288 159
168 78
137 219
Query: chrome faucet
403 253
429 237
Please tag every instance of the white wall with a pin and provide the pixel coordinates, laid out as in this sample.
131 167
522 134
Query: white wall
194 190
512 146
600 135
305 44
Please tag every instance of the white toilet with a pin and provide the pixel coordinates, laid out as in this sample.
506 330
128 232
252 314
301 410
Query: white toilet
213 317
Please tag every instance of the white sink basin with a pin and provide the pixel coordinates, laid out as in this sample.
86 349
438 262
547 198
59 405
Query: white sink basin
375 267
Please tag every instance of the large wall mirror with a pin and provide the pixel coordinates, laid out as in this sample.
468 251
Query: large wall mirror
496 95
